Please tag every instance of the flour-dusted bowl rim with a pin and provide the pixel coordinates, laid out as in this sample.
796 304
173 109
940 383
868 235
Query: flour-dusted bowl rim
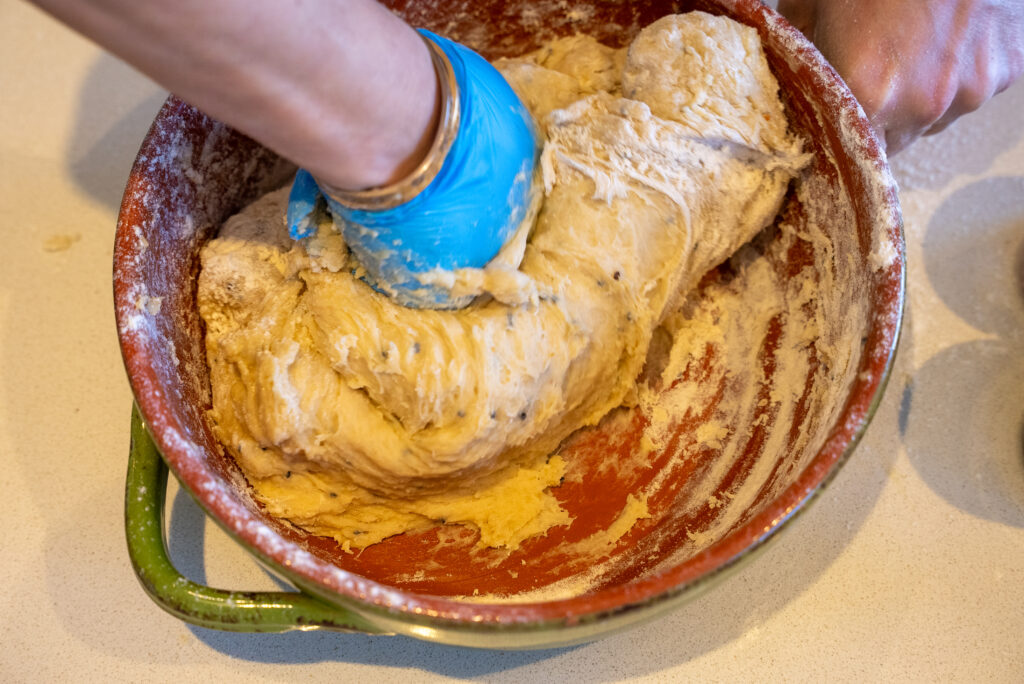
192 172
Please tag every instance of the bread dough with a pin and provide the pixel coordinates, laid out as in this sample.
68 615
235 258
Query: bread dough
357 418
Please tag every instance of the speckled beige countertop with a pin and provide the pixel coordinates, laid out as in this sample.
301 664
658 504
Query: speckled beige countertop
909 567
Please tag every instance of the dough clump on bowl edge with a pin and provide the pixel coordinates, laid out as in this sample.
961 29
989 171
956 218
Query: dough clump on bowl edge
356 418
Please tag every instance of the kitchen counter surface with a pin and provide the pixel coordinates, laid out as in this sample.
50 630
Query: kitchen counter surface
910 566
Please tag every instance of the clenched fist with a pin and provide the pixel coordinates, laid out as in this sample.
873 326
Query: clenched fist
916 65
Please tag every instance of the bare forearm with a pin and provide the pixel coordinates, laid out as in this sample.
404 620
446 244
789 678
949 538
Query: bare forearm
342 87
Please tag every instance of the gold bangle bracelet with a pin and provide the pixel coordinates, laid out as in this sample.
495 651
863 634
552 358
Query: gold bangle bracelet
400 192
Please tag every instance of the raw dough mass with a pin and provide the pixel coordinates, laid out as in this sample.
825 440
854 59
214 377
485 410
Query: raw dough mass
356 418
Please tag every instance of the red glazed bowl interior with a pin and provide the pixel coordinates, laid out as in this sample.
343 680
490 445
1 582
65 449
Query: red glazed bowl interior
193 172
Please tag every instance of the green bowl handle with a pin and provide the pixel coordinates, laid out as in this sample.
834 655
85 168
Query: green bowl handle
235 611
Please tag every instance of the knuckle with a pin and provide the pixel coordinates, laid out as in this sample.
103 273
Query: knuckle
973 97
929 102
874 90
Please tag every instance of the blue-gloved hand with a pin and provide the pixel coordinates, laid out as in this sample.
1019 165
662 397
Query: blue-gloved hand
465 215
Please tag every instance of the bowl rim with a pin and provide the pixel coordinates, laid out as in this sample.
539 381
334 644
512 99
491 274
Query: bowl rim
350 590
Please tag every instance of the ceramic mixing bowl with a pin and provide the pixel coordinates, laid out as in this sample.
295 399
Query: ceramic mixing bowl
711 501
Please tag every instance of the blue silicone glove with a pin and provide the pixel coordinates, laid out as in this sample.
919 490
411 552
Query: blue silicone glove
464 216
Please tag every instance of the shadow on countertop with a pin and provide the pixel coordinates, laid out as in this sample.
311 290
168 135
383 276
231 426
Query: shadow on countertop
116 107
966 408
